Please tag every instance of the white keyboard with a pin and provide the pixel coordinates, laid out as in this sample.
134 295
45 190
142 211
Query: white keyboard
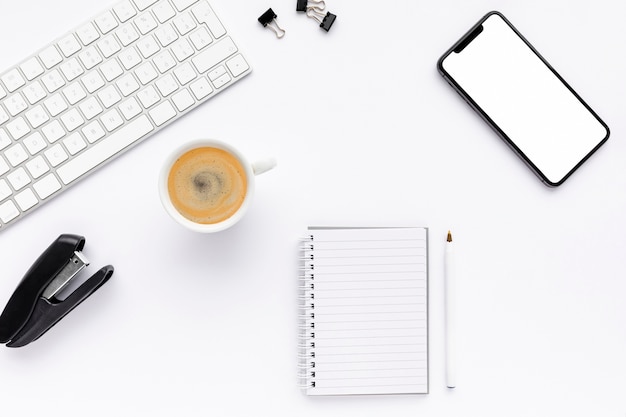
102 88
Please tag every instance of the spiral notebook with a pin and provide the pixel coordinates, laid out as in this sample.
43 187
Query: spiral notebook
364 311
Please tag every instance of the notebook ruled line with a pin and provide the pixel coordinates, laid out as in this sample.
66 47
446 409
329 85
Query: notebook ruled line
380 328
376 361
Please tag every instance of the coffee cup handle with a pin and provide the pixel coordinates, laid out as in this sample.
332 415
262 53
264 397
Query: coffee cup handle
263 165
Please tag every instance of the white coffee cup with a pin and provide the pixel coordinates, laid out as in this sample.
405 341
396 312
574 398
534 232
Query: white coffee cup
251 170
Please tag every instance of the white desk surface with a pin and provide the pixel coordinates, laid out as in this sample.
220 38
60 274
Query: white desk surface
366 132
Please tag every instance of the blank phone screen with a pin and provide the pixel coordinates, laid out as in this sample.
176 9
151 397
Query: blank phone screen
523 97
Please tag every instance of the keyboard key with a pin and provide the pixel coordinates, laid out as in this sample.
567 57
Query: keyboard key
201 88
74 93
53 131
47 186
109 96
182 49
3 93
217 53
166 85
15 104
129 58
163 11
93 131
184 23
18 179
5 190
183 4
127 85
18 128
111 70
237 65
148 97
26 199
4 167
164 61
201 38
105 149
53 81
4 117
50 57
71 69
124 10
34 92
185 73
37 116
146 73
31 68
92 81
109 46
87 33
13 80
166 35
35 143
145 23
111 120
221 81
144 4
106 22
148 46
183 100
90 108
130 108
8 211
90 57
74 143
72 119
204 14
16 154
5 141
216 72
127 34
37 167
55 105
55 155
69 45
162 113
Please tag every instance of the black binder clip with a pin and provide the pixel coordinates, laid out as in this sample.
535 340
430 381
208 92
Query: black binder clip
325 21
303 5
315 10
268 19
34 308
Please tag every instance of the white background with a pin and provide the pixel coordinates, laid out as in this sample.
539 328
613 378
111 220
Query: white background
366 132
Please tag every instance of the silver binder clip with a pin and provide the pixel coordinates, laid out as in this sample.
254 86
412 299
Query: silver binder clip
268 20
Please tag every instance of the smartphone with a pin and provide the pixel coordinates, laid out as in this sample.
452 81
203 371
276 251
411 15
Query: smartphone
499 73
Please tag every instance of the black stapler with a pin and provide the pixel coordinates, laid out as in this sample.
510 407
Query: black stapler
34 308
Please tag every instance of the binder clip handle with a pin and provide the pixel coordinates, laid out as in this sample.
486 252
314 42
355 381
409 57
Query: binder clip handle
268 20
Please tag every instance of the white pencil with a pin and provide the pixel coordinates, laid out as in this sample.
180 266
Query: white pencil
450 318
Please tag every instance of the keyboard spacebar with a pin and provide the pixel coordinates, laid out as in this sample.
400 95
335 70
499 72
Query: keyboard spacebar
105 149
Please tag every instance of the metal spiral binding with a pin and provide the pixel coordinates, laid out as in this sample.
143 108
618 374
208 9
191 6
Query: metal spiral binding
306 315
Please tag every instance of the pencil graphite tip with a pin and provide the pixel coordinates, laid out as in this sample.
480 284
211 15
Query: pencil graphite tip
449 239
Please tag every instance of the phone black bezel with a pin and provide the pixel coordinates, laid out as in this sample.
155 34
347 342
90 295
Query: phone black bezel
485 116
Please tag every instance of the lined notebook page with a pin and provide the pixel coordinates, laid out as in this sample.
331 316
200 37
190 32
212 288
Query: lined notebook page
367 311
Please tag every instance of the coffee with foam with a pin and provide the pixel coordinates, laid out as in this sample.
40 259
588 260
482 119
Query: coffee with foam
207 185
